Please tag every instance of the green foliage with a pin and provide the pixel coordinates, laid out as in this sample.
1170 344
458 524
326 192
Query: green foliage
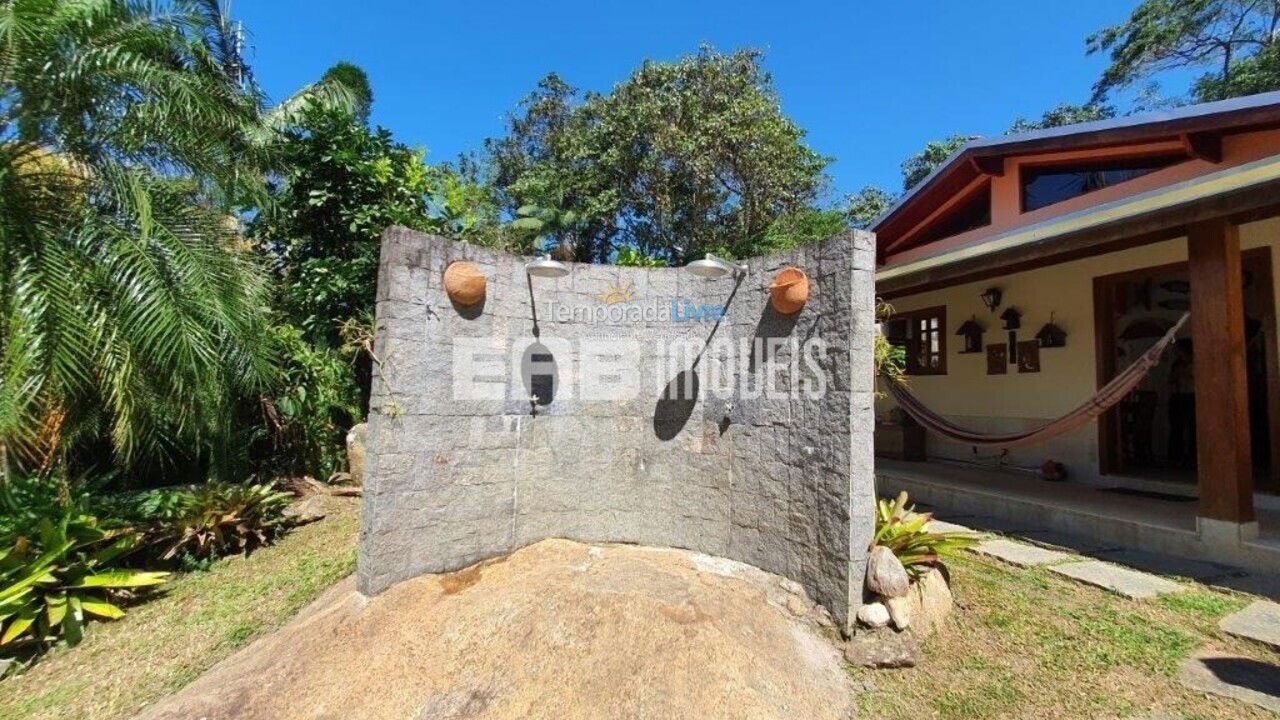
313 402
678 159
343 185
207 521
1064 114
891 360
917 167
802 227
902 530
632 257
1227 36
130 322
53 581
864 206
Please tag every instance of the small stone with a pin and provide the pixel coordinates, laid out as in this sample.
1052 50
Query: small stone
882 649
797 606
886 576
900 610
874 615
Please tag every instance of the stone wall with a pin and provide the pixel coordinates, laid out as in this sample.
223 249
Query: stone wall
646 428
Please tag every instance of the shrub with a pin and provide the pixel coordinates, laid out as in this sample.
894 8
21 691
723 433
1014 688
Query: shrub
193 525
50 583
902 530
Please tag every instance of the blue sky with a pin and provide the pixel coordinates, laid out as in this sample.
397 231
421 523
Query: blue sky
870 81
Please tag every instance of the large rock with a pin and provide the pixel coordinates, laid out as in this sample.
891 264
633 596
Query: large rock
931 602
885 575
356 446
556 630
901 610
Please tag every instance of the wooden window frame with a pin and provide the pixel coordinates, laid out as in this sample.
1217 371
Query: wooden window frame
911 341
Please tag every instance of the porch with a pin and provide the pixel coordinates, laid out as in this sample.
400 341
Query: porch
1115 524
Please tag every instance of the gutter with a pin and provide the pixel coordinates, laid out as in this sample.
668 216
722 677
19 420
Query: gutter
1199 188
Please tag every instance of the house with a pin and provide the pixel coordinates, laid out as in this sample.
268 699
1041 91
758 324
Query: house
1028 270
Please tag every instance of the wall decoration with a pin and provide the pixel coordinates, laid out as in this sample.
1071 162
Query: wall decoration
997 359
464 283
1052 336
1029 356
991 298
789 291
972 333
1012 319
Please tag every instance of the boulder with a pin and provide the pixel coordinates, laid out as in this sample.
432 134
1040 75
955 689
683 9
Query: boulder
356 452
874 615
901 609
882 648
931 602
557 629
886 576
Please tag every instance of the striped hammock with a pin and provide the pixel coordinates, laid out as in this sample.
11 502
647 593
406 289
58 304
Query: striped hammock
1106 398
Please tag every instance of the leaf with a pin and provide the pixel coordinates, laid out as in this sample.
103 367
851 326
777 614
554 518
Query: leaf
122 579
102 609
526 223
55 609
19 625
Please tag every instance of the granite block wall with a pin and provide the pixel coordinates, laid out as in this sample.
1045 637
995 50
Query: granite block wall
591 407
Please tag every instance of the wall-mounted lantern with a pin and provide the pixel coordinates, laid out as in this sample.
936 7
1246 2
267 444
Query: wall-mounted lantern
991 298
1052 336
972 333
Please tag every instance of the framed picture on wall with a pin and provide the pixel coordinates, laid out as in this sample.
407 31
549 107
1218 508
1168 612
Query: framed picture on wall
1029 356
997 359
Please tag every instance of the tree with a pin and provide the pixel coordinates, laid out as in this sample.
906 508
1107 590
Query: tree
1064 114
864 206
130 316
681 158
917 167
1226 36
343 185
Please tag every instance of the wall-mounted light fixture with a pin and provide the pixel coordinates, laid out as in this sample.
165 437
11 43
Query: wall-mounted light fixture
712 267
546 267
991 298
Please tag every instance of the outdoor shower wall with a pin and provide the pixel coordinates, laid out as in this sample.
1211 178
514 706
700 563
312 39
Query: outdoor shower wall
783 483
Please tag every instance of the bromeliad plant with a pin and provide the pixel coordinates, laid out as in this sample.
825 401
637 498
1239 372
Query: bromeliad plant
904 531
51 584
219 518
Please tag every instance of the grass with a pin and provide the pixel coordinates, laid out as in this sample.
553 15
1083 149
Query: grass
1026 643
202 617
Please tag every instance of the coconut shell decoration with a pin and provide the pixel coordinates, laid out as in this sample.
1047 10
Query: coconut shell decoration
464 283
789 291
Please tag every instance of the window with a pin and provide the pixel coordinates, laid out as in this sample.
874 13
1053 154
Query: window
922 334
973 212
1046 185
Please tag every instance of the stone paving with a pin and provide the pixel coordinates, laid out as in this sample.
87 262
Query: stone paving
1260 621
1242 678
1022 554
1129 583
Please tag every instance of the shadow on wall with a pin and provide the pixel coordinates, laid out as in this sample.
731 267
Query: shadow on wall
676 404
773 325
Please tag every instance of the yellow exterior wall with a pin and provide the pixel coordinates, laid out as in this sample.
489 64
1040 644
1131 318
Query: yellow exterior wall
1068 375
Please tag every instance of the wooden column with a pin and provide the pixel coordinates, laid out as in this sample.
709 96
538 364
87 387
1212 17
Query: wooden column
1224 465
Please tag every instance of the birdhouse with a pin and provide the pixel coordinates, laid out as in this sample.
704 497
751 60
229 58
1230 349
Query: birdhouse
971 331
1052 336
1012 319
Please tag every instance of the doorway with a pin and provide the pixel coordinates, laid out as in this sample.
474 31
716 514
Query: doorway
1151 434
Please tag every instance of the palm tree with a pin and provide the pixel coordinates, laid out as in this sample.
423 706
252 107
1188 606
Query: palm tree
129 133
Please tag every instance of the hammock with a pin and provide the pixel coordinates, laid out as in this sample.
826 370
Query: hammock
1106 398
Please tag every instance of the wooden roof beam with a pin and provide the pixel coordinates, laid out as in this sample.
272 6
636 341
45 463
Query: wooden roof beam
1205 146
991 166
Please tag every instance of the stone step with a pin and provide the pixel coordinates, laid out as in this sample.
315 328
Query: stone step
1241 678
